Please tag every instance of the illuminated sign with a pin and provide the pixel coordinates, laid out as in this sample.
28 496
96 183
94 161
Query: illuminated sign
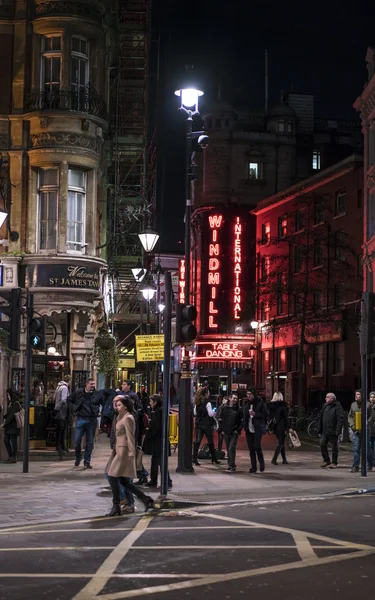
182 281
229 350
215 222
237 269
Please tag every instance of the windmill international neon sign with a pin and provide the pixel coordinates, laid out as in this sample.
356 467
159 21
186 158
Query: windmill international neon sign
215 223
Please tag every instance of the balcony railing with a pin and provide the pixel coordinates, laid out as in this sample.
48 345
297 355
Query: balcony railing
86 100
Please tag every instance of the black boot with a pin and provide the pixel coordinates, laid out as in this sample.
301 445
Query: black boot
213 455
149 503
115 511
195 455
274 460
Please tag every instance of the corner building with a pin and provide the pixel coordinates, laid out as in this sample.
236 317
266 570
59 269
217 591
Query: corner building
53 126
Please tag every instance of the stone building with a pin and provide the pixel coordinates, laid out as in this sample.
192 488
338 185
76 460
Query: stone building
53 127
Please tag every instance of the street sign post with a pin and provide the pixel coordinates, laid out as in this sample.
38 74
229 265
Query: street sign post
149 348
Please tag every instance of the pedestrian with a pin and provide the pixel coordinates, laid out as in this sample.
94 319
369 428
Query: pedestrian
255 417
278 424
220 432
85 404
11 430
356 407
231 425
204 424
140 426
330 427
126 497
61 414
121 466
155 437
372 426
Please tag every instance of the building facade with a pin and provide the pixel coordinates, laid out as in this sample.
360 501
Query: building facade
53 128
309 284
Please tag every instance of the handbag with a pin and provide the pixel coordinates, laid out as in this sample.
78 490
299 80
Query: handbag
20 418
294 439
139 459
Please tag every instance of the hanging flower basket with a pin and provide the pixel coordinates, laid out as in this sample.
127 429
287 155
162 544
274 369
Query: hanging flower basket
106 354
105 340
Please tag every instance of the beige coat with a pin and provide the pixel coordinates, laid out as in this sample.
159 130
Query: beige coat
122 461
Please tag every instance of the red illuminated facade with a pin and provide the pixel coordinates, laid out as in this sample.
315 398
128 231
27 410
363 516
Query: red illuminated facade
182 281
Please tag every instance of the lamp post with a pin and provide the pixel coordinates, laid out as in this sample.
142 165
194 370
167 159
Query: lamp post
189 96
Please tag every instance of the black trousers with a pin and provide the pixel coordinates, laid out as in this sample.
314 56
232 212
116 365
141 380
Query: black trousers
324 441
113 482
254 443
11 444
155 465
280 448
220 439
60 435
199 433
231 444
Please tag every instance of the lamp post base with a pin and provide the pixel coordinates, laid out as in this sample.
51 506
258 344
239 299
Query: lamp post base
185 434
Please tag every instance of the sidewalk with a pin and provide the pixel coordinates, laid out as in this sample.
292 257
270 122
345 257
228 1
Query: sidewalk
59 491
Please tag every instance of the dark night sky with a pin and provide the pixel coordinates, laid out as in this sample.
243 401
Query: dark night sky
317 47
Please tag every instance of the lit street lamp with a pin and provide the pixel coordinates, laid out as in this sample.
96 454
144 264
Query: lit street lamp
148 239
148 289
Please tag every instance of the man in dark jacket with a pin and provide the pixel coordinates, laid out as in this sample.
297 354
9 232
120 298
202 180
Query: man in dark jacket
11 429
331 423
231 424
255 417
85 405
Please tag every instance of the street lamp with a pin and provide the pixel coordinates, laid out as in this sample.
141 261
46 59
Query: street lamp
161 307
148 290
189 98
148 239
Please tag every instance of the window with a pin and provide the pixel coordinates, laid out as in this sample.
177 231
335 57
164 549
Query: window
254 170
282 227
339 294
318 360
281 126
318 254
298 259
79 72
282 295
76 210
339 358
47 208
280 360
340 203
265 365
318 212
266 233
300 220
265 312
316 160
290 127
339 246
264 268
298 304
319 299
51 63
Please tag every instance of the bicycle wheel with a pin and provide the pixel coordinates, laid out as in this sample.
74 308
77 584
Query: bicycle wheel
313 428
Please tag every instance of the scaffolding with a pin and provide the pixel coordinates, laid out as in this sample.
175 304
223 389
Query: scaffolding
133 157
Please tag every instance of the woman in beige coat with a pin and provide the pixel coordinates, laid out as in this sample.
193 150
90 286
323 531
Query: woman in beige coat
121 466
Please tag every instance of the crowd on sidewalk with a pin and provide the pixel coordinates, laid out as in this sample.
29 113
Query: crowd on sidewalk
133 424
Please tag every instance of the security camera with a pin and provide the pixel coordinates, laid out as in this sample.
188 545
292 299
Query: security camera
203 141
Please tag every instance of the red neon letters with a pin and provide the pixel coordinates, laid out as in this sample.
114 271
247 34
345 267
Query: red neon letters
215 222
182 281
237 268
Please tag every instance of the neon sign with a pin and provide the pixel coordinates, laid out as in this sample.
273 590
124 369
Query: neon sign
229 350
237 268
215 222
182 281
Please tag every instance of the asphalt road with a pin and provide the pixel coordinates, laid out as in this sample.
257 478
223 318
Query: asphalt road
310 550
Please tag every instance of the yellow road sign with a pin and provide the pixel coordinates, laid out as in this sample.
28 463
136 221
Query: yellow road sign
149 347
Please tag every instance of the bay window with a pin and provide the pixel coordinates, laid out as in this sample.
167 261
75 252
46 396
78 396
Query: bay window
51 63
79 72
76 210
47 208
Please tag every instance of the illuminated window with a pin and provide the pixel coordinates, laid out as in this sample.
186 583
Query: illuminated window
76 214
51 63
339 358
254 170
79 67
266 233
265 312
281 126
47 208
300 220
282 227
318 360
264 268
340 203
316 160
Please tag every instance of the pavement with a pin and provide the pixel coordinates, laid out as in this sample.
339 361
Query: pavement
56 491
310 550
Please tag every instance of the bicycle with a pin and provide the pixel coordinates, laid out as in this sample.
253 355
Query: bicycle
313 428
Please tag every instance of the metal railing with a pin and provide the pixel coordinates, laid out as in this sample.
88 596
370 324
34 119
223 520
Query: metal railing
86 100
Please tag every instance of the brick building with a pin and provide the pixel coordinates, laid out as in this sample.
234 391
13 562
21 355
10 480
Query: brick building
309 283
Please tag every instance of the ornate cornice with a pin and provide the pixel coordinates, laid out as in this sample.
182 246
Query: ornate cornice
59 139
68 7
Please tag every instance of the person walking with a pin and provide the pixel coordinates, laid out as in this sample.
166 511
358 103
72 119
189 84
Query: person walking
278 424
356 407
220 432
231 425
121 466
11 430
126 497
61 414
204 424
85 405
330 426
255 417
155 435
372 426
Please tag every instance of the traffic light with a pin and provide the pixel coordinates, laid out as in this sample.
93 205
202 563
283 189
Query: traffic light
13 311
186 332
38 333
367 337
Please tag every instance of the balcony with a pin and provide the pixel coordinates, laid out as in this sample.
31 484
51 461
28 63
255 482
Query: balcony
67 8
86 100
